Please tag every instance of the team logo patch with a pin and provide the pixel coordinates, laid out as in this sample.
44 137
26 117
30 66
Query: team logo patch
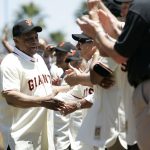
73 52
28 22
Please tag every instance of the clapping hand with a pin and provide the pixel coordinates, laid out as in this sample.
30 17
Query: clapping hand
69 108
93 4
89 26
72 75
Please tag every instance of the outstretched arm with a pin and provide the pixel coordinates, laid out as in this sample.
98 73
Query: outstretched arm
5 42
18 99
75 77
95 30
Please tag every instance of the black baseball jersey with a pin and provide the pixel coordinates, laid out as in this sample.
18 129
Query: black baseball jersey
134 42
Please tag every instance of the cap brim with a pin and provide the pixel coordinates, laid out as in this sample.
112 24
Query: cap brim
75 58
38 28
81 38
76 37
122 1
69 59
60 49
35 28
85 12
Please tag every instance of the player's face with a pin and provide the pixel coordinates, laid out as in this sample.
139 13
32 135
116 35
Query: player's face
28 43
85 48
125 8
60 59
76 64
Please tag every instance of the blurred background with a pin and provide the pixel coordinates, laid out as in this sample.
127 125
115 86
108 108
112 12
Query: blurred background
57 17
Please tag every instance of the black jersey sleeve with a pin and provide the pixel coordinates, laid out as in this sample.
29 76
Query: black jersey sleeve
131 36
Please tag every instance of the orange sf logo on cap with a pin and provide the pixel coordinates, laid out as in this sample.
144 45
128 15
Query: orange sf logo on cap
28 22
73 52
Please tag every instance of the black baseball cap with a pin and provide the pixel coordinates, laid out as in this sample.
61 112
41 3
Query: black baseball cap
75 57
122 1
65 47
113 7
82 38
24 26
85 12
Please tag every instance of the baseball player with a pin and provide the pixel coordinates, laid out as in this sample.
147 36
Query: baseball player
117 132
128 110
26 91
66 127
73 121
105 110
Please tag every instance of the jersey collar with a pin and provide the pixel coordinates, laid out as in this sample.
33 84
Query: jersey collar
25 56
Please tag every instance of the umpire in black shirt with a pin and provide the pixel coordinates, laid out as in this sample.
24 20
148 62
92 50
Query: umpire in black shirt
134 44
132 47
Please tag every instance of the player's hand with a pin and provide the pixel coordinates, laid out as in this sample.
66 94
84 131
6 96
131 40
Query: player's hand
86 28
109 23
69 108
90 27
56 81
93 4
53 104
72 75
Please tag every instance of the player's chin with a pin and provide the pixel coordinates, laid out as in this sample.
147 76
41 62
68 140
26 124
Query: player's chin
34 49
